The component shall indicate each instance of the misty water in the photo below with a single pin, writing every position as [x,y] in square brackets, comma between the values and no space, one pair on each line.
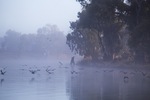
[93,82]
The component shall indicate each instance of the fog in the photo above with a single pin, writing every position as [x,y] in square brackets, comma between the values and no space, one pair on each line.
[72,50]
[47,79]
[27,16]
[48,42]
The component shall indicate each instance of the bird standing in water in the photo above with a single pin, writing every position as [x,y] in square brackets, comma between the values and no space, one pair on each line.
[72,61]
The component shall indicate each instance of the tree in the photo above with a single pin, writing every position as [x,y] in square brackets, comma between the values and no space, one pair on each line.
[12,41]
[102,18]
[138,21]
[84,42]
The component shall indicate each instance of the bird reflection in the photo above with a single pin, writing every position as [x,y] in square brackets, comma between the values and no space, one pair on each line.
[32,79]
[2,80]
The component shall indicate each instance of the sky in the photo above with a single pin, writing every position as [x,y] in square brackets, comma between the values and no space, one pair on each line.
[26,16]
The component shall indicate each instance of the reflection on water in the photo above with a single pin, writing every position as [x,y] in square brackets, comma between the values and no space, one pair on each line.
[73,83]
[110,84]
[2,80]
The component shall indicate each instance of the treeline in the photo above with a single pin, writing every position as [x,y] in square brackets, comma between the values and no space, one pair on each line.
[112,30]
[47,42]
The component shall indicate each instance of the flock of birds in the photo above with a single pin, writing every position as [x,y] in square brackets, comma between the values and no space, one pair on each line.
[34,69]
[50,70]
[128,73]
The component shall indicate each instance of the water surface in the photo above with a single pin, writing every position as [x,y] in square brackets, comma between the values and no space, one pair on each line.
[72,83]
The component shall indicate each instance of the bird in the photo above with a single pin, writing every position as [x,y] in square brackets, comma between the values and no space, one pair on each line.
[3,71]
[126,78]
[132,73]
[74,72]
[144,74]
[123,72]
[50,71]
[105,70]
[33,71]
[60,63]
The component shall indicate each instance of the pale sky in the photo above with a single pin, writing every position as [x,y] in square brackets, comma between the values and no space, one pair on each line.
[26,16]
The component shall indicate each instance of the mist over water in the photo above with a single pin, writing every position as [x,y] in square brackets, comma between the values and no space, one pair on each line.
[37,67]
[55,80]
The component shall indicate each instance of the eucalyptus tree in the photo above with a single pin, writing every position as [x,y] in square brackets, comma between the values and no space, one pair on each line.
[103,20]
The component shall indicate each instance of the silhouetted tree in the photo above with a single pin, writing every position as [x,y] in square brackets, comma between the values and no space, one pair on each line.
[138,21]
[48,42]
[108,17]
[102,16]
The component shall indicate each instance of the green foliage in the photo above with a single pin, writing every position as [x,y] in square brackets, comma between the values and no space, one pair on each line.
[85,42]
[138,20]
[99,17]
[106,18]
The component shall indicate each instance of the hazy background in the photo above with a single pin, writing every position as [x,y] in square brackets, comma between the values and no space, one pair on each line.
[26,16]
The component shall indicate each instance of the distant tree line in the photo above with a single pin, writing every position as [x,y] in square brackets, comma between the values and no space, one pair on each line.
[112,29]
[47,42]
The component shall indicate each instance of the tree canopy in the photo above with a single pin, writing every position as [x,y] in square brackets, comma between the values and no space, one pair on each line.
[97,31]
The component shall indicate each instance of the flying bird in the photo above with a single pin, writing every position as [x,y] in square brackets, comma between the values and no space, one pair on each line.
[50,71]
[123,72]
[74,72]
[143,73]
[3,72]
[33,71]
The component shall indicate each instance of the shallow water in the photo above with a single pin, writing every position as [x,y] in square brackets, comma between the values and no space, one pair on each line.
[72,83]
